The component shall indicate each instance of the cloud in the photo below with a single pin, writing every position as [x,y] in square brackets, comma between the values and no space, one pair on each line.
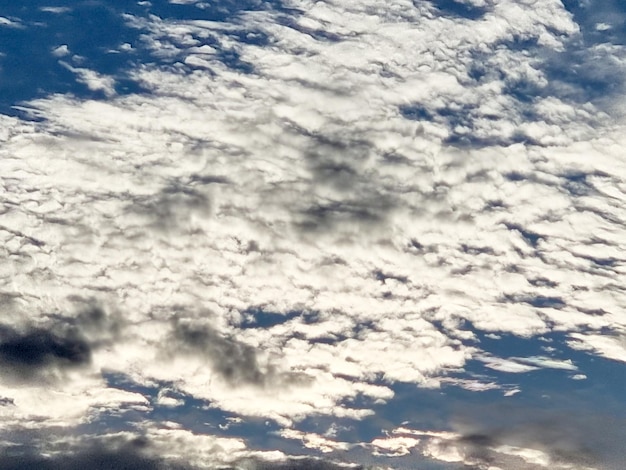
[61,51]
[42,350]
[385,182]
[540,438]
[91,79]
[175,207]
[11,23]
[507,436]
[234,361]
[51,368]
[97,456]
[33,353]
[518,365]
[305,464]
[55,10]
[154,449]
[611,346]
[315,441]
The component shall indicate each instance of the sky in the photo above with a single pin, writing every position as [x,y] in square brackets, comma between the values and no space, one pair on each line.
[327,235]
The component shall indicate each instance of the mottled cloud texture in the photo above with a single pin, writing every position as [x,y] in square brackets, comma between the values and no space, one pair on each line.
[297,209]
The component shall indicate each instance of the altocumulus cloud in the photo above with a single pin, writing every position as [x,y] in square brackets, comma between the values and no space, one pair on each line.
[384,182]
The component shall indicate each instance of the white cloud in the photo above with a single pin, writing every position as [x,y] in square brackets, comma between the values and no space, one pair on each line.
[505,365]
[315,441]
[609,346]
[61,51]
[526,364]
[548,363]
[76,400]
[56,10]
[202,451]
[394,446]
[9,22]
[456,448]
[164,399]
[90,78]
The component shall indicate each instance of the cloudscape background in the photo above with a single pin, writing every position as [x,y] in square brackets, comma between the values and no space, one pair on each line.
[312,234]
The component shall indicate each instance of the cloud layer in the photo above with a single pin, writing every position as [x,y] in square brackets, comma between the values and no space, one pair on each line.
[309,203]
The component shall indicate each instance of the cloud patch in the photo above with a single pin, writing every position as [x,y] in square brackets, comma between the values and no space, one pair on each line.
[550,438]
[234,361]
[103,455]
[37,352]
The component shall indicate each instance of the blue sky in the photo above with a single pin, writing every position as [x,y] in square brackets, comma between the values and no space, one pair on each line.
[268,235]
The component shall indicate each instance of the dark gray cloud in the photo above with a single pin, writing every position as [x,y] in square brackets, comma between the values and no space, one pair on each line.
[6,401]
[568,436]
[97,324]
[29,353]
[101,455]
[366,215]
[343,193]
[133,454]
[234,361]
[302,464]
[34,352]
[537,301]
[173,205]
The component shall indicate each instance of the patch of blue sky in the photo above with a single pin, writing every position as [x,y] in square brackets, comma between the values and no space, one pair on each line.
[459,9]
[42,41]
[596,383]
[259,318]
[600,21]
[91,32]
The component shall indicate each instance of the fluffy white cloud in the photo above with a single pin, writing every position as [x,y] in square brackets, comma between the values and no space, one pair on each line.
[315,441]
[90,78]
[609,346]
[77,400]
